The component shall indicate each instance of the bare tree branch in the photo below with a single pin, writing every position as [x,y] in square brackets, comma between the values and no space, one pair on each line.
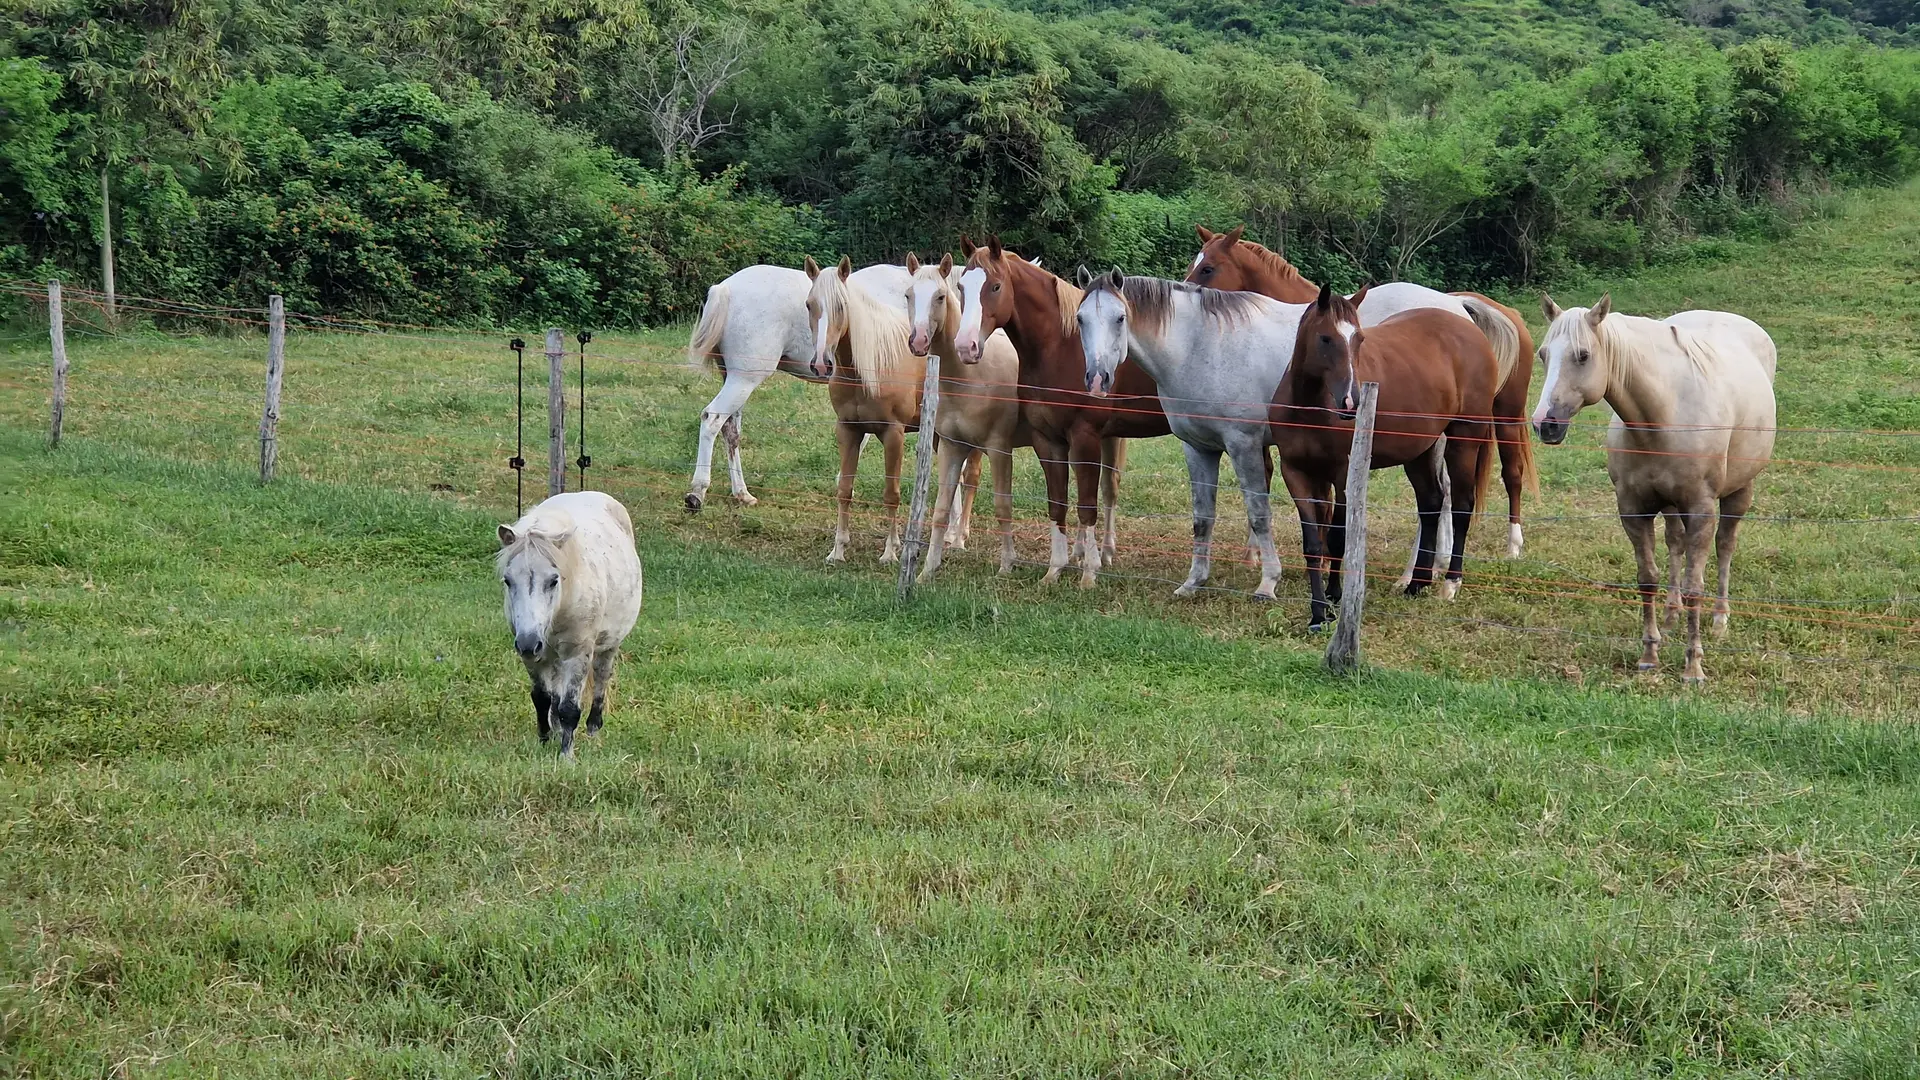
[673,84]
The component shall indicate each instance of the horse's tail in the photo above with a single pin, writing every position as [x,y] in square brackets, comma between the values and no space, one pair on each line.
[1484,469]
[1500,331]
[1523,449]
[703,348]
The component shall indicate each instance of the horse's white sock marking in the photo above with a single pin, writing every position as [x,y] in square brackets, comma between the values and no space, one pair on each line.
[1514,540]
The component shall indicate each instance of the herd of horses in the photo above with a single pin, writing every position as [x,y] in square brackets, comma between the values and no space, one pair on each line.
[1243,358]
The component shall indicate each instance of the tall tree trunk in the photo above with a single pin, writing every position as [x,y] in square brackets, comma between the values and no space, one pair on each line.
[106,249]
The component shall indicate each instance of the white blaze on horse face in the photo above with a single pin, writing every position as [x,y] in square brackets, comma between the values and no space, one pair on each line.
[822,323]
[1198,257]
[1347,330]
[532,585]
[920,297]
[1103,338]
[967,342]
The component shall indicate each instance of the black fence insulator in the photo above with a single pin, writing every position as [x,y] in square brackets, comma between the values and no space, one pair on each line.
[584,459]
[518,462]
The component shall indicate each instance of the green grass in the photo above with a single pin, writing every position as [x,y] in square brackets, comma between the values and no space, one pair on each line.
[273,805]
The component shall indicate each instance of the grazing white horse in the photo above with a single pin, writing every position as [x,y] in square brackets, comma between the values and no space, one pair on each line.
[754,324]
[1692,397]
[1217,358]
[572,581]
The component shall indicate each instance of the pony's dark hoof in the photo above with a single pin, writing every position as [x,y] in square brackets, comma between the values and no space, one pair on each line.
[694,503]
[1320,627]
[1416,588]
[594,726]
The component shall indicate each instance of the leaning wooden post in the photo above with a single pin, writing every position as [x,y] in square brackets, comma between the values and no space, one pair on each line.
[276,367]
[1343,652]
[57,330]
[915,542]
[556,412]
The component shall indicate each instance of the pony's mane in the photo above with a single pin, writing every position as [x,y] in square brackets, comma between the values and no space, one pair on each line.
[1150,301]
[1626,339]
[537,542]
[876,333]
[1069,297]
[1275,261]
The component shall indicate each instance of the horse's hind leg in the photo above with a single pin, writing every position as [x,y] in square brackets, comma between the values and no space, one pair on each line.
[1247,459]
[1430,501]
[1310,498]
[1700,532]
[850,439]
[1513,476]
[1676,565]
[725,406]
[894,441]
[1638,523]
[1003,505]
[1053,466]
[961,527]
[1203,474]
[730,431]
[542,704]
[602,677]
[1465,457]
[1733,509]
[1443,541]
[1113,458]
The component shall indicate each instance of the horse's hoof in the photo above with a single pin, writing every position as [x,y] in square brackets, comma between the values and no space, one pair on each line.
[1449,589]
[1415,588]
[594,727]
[836,557]
[1693,680]
[1050,577]
[1266,595]
[694,503]
[745,499]
[1005,569]
[1320,627]
[1187,590]
[889,559]
[1645,666]
[1088,581]
[1404,581]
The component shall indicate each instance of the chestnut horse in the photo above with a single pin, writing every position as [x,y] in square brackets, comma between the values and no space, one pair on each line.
[1437,378]
[1228,261]
[1070,427]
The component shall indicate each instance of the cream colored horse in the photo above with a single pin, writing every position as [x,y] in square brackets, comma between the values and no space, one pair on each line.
[1692,397]
[860,347]
[979,407]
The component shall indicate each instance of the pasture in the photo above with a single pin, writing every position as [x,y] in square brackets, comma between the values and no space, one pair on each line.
[274,805]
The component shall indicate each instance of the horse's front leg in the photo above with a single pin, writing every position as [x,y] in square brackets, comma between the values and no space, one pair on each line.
[1085,454]
[1443,540]
[1113,458]
[962,526]
[1676,566]
[1249,457]
[1311,500]
[542,703]
[1203,476]
[850,439]
[602,677]
[1003,505]
[894,442]
[952,463]
[1053,466]
[1638,523]
[568,682]
[1700,530]
[1466,453]
[1733,509]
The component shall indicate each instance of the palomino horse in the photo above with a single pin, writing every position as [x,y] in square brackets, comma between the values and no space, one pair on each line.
[1227,261]
[860,348]
[1692,398]
[1437,378]
[979,410]
[1217,358]
[754,324]
[1000,290]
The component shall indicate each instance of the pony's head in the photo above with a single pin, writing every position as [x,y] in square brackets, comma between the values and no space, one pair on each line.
[529,565]
[986,295]
[826,313]
[1102,318]
[931,301]
[1326,343]
[1218,264]
[1579,365]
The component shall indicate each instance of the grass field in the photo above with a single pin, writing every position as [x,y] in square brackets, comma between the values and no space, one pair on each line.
[273,804]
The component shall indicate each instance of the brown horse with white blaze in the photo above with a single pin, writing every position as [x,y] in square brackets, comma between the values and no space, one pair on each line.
[1227,260]
[1071,429]
[1437,378]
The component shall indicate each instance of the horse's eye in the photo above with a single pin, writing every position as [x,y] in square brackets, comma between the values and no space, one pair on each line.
[1580,357]
[553,583]
[1325,339]
[1205,270]
[996,286]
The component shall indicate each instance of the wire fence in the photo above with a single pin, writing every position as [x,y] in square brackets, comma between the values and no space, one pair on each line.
[1878,630]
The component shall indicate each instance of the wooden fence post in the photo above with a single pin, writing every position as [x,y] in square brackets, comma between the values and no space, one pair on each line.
[57,331]
[915,543]
[276,368]
[1343,652]
[556,411]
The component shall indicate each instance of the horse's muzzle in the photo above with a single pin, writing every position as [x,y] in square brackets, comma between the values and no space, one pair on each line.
[819,370]
[1100,383]
[918,344]
[1552,432]
[529,647]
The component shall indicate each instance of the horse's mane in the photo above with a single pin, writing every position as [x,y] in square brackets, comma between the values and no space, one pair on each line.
[1069,297]
[537,542]
[1149,303]
[1276,262]
[876,333]
[1625,340]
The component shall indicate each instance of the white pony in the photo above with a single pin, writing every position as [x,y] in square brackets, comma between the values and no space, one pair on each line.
[1217,358]
[1692,397]
[572,581]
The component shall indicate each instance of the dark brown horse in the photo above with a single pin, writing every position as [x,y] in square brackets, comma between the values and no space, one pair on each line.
[1228,261]
[1071,428]
[1437,377]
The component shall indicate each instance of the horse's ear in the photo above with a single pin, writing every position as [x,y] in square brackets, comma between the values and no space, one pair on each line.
[507,535]
[846,266]
[993,245]
[558,539]
[1600,310]
[913,263]
[1360,297]
[1326,298]
[1116,280]
[946,264]
[966,245]
[1083,277]
[1548,308]
[1234,234]
[1206,234]
[1036,262]
[812,268]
